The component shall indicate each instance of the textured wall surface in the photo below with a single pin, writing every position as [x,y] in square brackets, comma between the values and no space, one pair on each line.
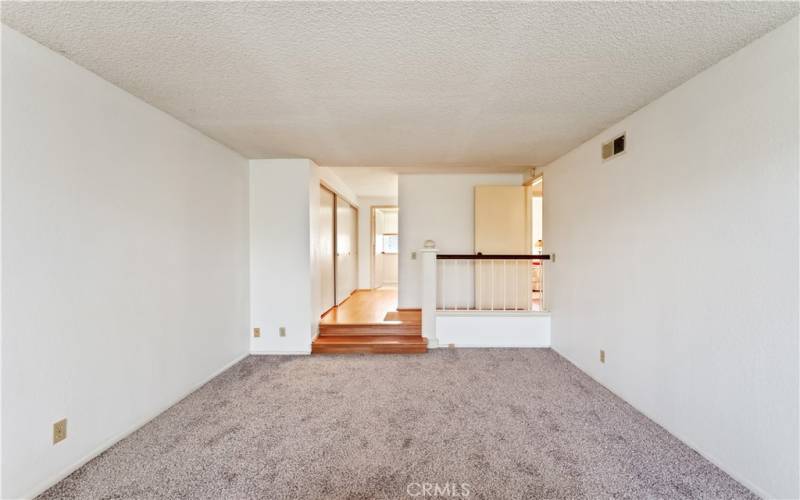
[439,208]
[485,83]
[679,258]
[124,262]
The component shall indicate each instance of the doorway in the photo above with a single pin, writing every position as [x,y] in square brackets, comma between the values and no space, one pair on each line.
[384,248]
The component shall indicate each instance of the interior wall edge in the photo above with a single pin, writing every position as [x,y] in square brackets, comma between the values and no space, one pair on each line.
[688,442]
[44,485]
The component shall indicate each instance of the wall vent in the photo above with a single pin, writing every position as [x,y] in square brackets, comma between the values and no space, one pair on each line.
[613,148]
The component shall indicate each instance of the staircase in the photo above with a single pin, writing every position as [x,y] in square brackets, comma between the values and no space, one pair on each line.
[399,333]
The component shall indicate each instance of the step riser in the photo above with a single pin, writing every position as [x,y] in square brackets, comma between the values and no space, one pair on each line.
[369,349]
[328,330]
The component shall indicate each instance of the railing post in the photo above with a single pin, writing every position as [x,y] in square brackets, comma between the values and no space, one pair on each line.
[429,293]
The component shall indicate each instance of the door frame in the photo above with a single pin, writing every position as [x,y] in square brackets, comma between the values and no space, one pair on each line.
[333,243]
[354,243]
[373,209]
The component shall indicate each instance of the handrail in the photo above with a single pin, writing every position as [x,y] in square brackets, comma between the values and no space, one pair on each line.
[480,256]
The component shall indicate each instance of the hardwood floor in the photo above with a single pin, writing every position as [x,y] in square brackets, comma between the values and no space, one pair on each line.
[369,323]
[363,306]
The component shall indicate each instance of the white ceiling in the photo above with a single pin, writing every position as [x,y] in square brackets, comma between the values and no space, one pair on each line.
[369,181]
[454,85]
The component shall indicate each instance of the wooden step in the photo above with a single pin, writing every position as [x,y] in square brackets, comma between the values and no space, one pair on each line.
[369,344]
[384,328]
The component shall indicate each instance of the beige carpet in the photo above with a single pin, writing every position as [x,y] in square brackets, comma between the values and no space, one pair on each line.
[493,423]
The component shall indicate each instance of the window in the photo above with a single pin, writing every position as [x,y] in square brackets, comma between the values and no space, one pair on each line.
[390,243]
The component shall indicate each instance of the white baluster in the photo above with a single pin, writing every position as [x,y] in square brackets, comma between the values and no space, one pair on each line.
[505,285]
[444,288]
[516,284]
[529,306]
[457,281]
[479,294]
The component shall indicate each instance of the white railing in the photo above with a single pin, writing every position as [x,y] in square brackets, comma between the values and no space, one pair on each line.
[480,286]
[490,282]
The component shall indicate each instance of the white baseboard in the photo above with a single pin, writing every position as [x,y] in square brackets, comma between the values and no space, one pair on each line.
[711,458]
[44,485]
[281,353]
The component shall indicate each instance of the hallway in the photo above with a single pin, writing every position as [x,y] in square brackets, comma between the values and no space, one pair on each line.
[364,306]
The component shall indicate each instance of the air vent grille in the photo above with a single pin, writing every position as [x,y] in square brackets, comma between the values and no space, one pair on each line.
[613,147]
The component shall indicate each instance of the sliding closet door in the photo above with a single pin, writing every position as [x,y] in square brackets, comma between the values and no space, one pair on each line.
[326,250]
[345,250]
[353,257]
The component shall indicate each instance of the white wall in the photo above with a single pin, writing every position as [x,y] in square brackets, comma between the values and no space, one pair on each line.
[439,208]
[124,265]
[365,204]
[284,213]
[507,329]
[284,252]
[680,259]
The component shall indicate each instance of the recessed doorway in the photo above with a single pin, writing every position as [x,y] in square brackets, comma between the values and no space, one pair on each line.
[385,244]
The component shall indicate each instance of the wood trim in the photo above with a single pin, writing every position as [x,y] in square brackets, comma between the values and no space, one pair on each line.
[345,299]
[409,309]
[533,179]
[333,190]
[329,309]
[333,239]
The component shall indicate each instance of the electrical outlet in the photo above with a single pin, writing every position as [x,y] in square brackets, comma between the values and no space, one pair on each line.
[602,356]
[60,431]
[282,331]
[413,255]
[256,332]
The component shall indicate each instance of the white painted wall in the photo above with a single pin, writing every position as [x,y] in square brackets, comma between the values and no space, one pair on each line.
[284,213]
[124,262]
[440,208]
[493,329]
[680,259]
[365,205]
[284,253]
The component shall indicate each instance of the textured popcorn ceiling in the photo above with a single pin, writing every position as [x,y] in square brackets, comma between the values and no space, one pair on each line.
[455,85]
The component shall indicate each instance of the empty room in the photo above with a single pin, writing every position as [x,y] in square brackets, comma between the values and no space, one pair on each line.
[398,250]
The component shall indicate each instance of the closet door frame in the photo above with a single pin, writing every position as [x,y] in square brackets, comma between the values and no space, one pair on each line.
[354,243]
[333,194]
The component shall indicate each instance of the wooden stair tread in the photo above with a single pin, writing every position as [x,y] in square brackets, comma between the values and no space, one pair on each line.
[370,339]
[370,344]
[352,332]
[361,329]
